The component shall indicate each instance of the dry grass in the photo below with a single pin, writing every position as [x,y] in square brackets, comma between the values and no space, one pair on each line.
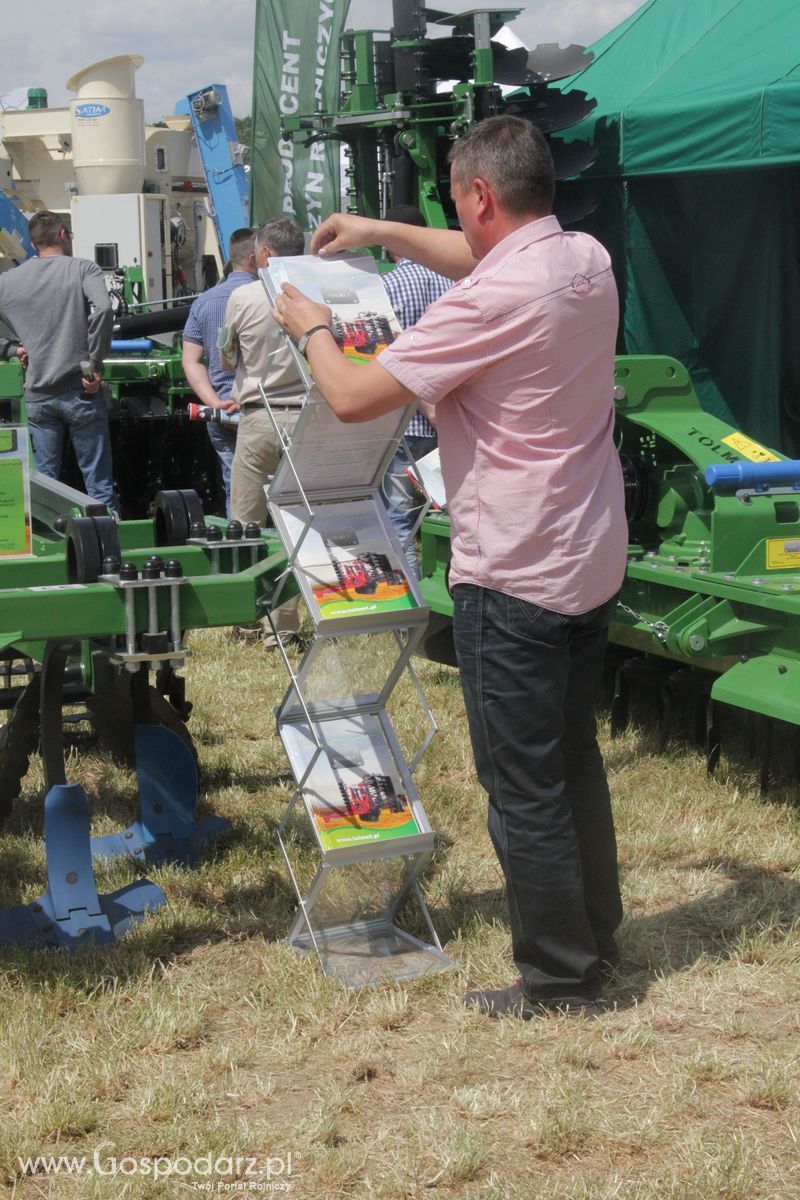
[201,1033]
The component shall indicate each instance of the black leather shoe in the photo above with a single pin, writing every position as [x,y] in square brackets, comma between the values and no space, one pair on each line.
[513,1002]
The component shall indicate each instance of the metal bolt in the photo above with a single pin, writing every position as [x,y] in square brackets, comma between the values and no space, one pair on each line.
[71,877]
[697,642]
[128,833]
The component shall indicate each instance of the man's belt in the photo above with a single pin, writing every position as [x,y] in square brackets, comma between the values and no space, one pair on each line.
[275,401]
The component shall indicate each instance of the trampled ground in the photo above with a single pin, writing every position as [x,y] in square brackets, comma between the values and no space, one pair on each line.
[201,1037]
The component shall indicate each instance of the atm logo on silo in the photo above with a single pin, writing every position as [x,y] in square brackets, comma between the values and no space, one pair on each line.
[86,111]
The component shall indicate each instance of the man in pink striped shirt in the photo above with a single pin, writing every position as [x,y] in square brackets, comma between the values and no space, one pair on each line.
[518,359]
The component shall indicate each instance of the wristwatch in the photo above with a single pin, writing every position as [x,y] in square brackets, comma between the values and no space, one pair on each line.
[303,340]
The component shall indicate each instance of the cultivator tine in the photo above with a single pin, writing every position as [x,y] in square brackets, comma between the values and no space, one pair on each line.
[620,703]
[19,738]
[70,913]
[650,673]
[765,754]
[665,711]
[712,738]
[165,829]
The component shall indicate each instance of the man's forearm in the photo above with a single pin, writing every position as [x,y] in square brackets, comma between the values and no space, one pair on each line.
[100,319]
[198,380]
[354,392]
[442,250]
[99,336]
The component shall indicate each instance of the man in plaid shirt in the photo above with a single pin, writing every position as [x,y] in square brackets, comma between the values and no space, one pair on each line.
[410,288]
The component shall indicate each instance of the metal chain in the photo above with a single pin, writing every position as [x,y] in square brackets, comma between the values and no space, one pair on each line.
[659,628]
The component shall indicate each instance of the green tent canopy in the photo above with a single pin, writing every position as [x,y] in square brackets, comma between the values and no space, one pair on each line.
[697,126]
[697,85]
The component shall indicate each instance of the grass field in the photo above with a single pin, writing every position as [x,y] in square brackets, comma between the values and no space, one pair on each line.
[202,1037]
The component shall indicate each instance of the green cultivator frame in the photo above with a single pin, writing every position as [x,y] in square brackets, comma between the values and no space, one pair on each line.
[97,613]
[711,596]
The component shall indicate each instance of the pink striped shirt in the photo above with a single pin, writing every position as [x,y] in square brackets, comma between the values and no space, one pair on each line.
[519,359]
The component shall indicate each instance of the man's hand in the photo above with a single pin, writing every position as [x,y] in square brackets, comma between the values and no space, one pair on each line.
[344,231]
[92,386]
[295,313]
[22,354]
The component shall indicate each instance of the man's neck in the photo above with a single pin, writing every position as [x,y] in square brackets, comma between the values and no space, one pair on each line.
[501,228]
[49,251]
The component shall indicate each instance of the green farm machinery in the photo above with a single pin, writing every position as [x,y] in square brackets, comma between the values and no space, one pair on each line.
[405,97]
[710,603]
[96,612]
[711,597]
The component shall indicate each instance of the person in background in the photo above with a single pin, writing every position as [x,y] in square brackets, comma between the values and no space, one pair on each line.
[261,358]
[212,383]
[410,288]
[60,312]
[518,358]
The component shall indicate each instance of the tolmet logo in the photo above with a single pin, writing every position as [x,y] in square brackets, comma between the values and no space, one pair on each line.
[91,110]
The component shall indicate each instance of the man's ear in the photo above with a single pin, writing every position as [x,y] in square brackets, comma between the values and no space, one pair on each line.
[483,197]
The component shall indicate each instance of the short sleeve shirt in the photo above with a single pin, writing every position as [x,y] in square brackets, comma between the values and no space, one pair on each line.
[411,288]
[202,326]
[265,359]
[519,359]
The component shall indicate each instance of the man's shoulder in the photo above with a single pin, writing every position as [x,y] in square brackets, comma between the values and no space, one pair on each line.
[212,295]
[84,267]
[247,297]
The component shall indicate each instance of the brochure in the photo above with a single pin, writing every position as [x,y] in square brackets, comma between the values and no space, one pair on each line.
[354,794]
[363,323]
[429,470]
[330,458]
[348,561]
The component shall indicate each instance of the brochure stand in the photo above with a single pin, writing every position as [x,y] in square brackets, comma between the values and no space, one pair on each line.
[371,836]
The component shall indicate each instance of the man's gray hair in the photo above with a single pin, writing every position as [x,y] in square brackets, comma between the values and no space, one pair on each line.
[513,157]
[282,235]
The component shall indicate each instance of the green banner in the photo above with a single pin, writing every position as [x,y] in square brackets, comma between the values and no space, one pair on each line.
[295,72]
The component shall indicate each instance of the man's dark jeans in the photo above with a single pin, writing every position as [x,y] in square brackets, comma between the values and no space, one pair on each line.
[530,679]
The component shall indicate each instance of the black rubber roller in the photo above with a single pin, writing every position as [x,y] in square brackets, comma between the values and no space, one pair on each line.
[107,536]
[194,509]
[171,520]
[84,558]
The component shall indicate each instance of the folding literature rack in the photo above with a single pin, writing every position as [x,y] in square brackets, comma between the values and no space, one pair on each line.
[372,836]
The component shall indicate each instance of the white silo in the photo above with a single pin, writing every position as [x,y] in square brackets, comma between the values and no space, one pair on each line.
[107,127]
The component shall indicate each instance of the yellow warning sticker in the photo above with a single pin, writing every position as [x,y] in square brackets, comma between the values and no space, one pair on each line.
[749,449]
[783,553]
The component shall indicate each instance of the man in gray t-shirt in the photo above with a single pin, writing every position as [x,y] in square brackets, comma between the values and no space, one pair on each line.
[60,312]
